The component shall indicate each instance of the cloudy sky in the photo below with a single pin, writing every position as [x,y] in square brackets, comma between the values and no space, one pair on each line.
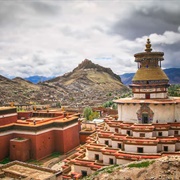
[51,37]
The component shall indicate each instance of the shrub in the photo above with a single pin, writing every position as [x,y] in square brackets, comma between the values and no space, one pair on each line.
[141,164]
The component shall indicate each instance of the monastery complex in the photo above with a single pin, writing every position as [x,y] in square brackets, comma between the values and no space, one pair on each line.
[147,127]
[148,124]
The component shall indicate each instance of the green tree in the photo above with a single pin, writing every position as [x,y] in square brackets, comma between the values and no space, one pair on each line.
[87,112]
[94,115]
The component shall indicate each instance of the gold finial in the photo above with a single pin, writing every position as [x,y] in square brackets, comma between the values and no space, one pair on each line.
[148,46]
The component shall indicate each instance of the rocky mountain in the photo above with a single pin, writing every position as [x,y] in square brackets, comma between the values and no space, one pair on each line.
[88,84]
[172,73]
[164,168]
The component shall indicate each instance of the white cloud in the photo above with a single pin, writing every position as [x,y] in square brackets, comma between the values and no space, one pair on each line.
[51,38]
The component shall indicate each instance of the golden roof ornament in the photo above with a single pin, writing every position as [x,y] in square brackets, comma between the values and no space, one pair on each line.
[148,46]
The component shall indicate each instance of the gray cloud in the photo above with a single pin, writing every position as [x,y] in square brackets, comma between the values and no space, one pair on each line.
[50,38]
[145,20]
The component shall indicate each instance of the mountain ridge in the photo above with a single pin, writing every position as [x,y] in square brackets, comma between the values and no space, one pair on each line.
[88,84]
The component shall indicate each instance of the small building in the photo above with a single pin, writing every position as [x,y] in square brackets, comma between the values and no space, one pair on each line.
[20,170]
[36,135]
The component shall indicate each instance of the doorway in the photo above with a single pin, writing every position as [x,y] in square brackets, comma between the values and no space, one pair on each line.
[145,118]
[148,96]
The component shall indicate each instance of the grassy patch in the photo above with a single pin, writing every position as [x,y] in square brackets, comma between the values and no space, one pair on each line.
[55,154]
[33,161]
[141,164]
[107,169]
[5,161]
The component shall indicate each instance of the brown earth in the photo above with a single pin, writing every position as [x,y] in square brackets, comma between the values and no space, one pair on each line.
[165,168]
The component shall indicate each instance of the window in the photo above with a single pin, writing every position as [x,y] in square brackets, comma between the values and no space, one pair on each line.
[159,133]
[140,150]
[165,148]
[128,133]
[142,134]
[96,157]
[119,145]
[116,130]
[111,161]
[84,173]
[106,142]
[176,132]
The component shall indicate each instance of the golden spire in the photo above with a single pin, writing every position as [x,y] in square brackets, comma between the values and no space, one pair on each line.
[148,46]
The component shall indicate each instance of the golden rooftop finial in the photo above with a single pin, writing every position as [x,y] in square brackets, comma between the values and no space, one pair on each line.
[148,46]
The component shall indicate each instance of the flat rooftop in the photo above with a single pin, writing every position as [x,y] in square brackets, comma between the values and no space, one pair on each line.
[5,108]
[25,171]
[170,100]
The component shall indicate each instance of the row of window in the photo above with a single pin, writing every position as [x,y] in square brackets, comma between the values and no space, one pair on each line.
[176,132]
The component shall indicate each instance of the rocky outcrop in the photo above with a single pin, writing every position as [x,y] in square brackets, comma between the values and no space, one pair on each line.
[165,168]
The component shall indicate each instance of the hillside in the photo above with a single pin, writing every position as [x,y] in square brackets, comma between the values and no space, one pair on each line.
[172,73]
[160,169]
[88,84]
[21,91]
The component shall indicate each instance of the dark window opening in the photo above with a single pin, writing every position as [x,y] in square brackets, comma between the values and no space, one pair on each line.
[106,142]
[96,157]
[147,96]
[119,145]
[84,173]
[165,148]
[176,132]
[116,130]
[111,161]
[140,150]
[129,133]
[142,135]
[159,133]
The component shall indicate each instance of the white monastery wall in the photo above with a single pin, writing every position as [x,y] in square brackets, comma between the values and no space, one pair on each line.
[91,155]
[177,146]
[112,129]
[122,161]
[115,144]
[147,134]
[107,157]
[146,149]
[124,131]
[102,141]
[177,112]
[164,133]
[171,147]
[158,95]
[127,113]
[139,96]
[163,113]
[78,169]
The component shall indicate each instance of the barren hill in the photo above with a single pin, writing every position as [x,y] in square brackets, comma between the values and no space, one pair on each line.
[92,76]
[88,84]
